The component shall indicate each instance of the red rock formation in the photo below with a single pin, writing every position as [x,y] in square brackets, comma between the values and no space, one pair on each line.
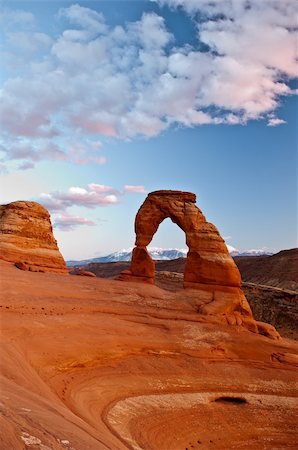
[209,267]
[85,273]
[93,364]
[26,238]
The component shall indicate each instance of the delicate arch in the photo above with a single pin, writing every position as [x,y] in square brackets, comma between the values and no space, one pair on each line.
[208,259]
[209,267]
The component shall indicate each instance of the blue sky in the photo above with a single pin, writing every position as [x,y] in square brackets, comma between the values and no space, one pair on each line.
[102,102]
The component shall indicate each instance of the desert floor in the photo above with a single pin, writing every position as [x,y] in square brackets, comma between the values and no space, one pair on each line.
[91,364]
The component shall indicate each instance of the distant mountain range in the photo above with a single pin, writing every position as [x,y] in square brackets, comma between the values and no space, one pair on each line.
[158,254]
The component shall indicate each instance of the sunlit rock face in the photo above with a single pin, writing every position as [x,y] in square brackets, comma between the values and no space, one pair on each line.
[91,364]
[209,267]
[26,238]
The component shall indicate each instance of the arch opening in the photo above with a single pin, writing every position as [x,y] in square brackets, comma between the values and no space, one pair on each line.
[168,250]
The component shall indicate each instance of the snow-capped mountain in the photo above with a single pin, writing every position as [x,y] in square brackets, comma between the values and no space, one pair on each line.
[252,252]
[167,254]
[125,255]
[159,253]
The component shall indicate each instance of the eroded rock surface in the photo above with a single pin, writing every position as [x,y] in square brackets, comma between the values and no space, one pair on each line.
[209,267]
[92,364]
[26,238]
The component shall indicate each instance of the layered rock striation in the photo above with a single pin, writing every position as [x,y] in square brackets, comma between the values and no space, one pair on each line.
[93,364]
[209,267]
[26,238]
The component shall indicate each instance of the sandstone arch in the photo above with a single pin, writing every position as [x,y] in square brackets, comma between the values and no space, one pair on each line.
[209,267]
[208,259]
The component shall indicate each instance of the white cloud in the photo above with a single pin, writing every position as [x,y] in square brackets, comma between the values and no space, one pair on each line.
[28,43]
[67,222]
[26,165]
[77,191]
[89,197]
[95,81]
[90,21]
[10,18]
[134,188]
[34,150]
[151,32]
[99,188]
[275,121]
[37,151]
[253,50]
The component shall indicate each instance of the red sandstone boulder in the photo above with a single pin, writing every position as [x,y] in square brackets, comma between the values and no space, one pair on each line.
[85,273]
[26,235]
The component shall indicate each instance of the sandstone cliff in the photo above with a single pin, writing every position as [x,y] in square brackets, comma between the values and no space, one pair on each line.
[26,237]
